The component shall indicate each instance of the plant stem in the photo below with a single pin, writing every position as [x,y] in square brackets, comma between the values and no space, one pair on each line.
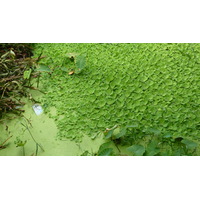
[32,136]
[117,147]
[23,151]
[6,140]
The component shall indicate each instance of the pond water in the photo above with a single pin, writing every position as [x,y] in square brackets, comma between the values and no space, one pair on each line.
[44,131]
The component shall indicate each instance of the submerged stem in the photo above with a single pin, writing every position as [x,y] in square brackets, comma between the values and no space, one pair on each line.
[37,144]
[23,151]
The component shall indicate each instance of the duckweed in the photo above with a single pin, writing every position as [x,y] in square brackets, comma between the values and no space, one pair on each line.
[155,84]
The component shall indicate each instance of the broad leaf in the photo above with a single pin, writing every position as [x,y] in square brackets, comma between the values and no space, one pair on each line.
[43,68]
[104,149]
[121,133]
[106,152]
[155,131]
[137,150]
[152,149]
[80,62]
[109,134]
[189,144]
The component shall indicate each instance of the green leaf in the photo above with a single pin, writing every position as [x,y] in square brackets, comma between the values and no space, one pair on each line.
[154,130]
[152,149]
[109,134]
[116,131]
[121,133]
[64,69]
[137,150]
[110,101]
[189,144]
[27,74]
[105,145]
[167,135]
[43,68]
[132,126]
[106,152]
[102,103]
[80,62]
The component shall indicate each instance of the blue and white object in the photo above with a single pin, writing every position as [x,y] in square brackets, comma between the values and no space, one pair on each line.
[37,109]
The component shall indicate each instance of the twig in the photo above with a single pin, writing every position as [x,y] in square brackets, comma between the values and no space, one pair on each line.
[6,140]
[2,146]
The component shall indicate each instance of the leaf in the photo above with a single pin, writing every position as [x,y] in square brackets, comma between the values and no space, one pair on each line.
[102,103]
[189,144]
[137,150]
[167,135]
[71,73]
[132,126]
[80,62]
[12,53]
[109,134]
[64,69]
[104,146]
[115,132]
[110,101]
[121,133]
[152,149]
[43,68]
[27,74]
[106,152]
[154,130]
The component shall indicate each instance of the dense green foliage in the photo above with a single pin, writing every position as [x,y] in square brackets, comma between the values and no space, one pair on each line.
[156,85]
[148,142]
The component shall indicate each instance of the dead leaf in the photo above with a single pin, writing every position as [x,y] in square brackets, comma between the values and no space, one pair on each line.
[72,72]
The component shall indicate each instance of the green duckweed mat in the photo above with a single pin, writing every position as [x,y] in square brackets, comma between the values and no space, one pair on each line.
[156,85]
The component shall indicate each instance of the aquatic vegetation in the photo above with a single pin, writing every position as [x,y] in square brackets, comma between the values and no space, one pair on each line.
[148,142]
[26,125]
[19,143]
[154,84]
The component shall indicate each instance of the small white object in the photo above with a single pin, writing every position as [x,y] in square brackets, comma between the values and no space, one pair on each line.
[38,109]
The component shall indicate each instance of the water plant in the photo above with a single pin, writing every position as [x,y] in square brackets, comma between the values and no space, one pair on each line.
[155,84]
[19,143]
[26,124]
[147,142]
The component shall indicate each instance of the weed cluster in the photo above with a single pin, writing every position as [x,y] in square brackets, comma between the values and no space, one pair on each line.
[17,69]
